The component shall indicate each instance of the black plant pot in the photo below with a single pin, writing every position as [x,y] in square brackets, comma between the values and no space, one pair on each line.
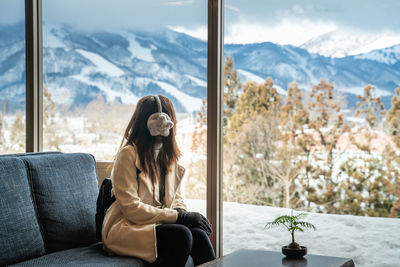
[294,253]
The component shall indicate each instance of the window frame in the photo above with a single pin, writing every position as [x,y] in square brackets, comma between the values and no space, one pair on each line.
[34,102]
[215,79]
[34,75]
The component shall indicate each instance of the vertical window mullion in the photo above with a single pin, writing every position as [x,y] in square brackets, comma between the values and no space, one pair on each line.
[34,97]
[214,120]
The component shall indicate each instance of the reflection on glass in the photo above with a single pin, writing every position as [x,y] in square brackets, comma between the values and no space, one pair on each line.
[312,124]
[12,77]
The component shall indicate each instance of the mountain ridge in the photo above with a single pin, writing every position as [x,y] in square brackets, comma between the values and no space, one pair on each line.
[126,65]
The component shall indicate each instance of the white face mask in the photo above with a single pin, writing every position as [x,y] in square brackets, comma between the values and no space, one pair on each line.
[159,123]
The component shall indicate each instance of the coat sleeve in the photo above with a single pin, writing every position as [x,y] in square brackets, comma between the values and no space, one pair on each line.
[126,193]
[178,201]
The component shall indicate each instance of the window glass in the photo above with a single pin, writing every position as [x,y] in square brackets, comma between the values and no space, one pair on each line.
[311,125]
[101,58]
[12,76]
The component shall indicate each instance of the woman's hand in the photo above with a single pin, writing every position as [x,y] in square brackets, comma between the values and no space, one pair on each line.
[193,219]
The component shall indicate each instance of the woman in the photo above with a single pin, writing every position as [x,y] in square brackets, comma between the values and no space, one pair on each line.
[149,220]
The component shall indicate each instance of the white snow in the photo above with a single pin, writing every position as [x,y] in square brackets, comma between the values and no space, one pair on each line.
[369,241]
[101,63]
[280,90]
[197,80]
[60,95]
[380,43]
[189,102]
[389,55]
[126,96]
[360,91]
[255,78]
[137,50]
[49,39]
[250,76]
[285,69]
[342,43]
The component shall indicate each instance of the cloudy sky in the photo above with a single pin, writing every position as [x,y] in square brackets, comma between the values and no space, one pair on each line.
[246,21]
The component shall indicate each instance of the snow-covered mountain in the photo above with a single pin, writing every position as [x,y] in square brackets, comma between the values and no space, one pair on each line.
[287,63]
[126,65]
[389,56]
[342,43]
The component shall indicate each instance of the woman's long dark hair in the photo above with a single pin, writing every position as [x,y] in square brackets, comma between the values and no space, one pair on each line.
[138,134]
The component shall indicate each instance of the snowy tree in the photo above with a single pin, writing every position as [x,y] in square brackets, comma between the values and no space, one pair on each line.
[370,107]
[252,174]
[17,136]
[256,99]
[325,126]
[293,115]
[51,129]
[197,172]
[392,153]
[198,166]
[393,117]
[232,87]
[364,186]
[199,136]
[2,137]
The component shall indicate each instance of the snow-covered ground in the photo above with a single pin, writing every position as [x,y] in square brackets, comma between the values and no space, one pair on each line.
[368,241]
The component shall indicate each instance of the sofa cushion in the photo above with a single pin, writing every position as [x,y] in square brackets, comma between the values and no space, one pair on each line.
[20,236]
[86,256]
[65,192]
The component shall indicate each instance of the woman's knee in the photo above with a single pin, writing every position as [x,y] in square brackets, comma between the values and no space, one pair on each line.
[199,233]
[202,250]
[183,236]
[177,235]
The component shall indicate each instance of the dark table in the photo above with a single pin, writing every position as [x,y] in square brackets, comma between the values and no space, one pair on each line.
[263,258]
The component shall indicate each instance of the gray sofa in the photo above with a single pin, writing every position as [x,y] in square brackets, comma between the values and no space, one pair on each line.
[47,212]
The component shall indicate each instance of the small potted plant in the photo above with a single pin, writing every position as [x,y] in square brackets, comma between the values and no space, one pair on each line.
[292,224]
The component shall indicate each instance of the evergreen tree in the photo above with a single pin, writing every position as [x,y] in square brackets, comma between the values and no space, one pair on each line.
[18,133]
[199,137]
[2,137]
[293,115]
[232,87]
[195,185]
[3,126]
[393,117]
[392,156]
[326,125]
[249,149]
[51,130]
[364,187]
[256,99]
[370,107]
[252,166]
[392,165]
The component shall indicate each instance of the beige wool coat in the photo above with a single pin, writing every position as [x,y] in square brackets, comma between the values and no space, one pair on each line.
[129,224]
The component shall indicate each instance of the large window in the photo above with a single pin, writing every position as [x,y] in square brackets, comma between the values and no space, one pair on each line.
[95,68]
[311,124]
[12,76]
[310,107]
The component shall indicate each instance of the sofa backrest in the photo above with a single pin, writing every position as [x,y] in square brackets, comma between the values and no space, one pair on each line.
[64,189]
[20,236]
[29,154]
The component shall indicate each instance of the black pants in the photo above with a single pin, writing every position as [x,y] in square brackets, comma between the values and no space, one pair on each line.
[175,242]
